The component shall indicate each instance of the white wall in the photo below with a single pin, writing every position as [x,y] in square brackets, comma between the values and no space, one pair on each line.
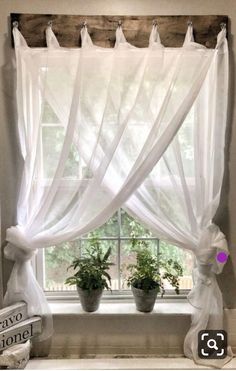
[10,161]
[111,331]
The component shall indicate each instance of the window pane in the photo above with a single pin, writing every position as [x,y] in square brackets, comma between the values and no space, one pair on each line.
[49,116]
[186,140]
[57,259]
[109,229]
[52,138]
[184,258]
[128,256]
[72,164]
[129,225]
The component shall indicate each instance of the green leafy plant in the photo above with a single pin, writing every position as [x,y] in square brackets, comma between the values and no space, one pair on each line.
[92,268]
[150,271]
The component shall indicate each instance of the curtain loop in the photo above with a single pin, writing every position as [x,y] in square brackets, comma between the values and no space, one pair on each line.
[189,34]
[86,40]
[51,39]
[221,37]
[120,37]
[154,36]
[19,40]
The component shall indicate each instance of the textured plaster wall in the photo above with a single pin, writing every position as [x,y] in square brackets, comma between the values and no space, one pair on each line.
[10,160]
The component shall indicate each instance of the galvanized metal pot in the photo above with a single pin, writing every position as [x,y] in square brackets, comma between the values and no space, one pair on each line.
[90,300]
[144,301]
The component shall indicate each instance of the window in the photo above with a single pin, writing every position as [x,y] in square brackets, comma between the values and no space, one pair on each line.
[115,233]
[52,263]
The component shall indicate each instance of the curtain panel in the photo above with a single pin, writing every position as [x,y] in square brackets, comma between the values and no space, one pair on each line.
[148,127]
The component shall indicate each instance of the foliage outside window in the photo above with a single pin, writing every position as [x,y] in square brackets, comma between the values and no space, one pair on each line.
[116,233]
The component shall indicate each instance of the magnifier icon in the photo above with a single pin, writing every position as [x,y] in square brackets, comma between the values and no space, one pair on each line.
[212,344]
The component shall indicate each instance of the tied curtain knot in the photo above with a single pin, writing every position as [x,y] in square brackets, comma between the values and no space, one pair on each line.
[20,248]
[211,242]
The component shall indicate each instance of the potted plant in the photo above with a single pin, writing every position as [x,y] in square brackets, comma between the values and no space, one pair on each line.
[91,276]
[147,275]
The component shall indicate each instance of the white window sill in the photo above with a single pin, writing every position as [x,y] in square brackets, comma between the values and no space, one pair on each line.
[121,308]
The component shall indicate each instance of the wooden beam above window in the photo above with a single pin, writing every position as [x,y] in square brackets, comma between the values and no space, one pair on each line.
[137,29]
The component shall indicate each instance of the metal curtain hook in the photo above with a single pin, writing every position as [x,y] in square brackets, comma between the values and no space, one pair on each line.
[15,24]
[189,23]
[84,24]
[223,25]
[50,24]
[154,23]
[119,23]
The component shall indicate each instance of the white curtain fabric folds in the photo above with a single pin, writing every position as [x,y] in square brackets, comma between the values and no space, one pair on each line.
[145,128]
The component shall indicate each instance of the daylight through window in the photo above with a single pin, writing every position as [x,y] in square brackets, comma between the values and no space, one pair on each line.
[52,263]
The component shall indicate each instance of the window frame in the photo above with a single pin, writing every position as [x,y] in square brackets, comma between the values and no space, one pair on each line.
[115,295]
[119,294]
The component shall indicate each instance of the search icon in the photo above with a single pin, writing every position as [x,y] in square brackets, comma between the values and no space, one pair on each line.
[212,344]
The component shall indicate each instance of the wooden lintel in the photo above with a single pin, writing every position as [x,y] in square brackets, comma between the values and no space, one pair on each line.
[137,29]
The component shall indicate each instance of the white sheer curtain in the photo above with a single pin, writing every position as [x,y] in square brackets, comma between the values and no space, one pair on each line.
[118,111]
[179,198]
